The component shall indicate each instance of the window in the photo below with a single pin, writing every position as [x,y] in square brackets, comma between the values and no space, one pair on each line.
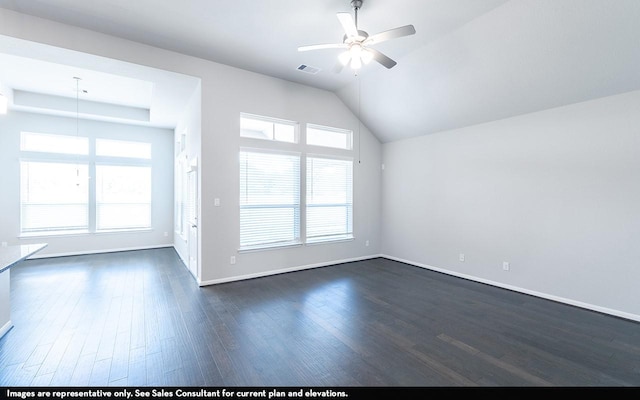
[57,195]
[53,196]
[329,199]
[294,198]
[123,185]
[59,144]
[180,188]
[123,197]
[269,199]
[329,137]
[121,148]
[252,126]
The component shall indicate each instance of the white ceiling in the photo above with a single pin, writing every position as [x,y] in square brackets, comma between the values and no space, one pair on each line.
[41,79]
[470,61]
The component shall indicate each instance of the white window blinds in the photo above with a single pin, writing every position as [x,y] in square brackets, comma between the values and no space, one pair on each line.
[329,199]
[54,196]
[269,199]
[123,197]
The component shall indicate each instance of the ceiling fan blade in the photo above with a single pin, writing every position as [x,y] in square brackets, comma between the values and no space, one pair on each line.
[323,46]
[391,34]
[381,58]
[346,20]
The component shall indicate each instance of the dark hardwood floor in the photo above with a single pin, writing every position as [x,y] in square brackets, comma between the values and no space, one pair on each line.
[139,319]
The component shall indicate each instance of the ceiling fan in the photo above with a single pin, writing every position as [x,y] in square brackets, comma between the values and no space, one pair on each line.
[357,43]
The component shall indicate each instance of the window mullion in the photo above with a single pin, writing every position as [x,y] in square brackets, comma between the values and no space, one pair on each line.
[303,198]
[92,197]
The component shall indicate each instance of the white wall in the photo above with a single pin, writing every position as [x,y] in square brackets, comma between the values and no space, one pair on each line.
[555,193]
[190,126]
[256,94]
[226,92]
[162,183]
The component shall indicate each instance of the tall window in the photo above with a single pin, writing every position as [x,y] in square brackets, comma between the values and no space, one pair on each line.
[54,196]
[180,188]
[296,197]
[57,194]
[123,197]
[123,185]
[54,190]
[329,199]
[269,199]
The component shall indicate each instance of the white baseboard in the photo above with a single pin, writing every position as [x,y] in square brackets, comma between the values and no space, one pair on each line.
[6,328]
[285,270]
[87,252]
[592,307]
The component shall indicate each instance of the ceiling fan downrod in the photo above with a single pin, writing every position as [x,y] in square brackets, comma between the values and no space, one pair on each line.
[356,4]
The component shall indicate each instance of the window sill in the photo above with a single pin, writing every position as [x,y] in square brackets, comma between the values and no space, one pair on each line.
[341,239]
[29,235]
[48,234]
[113,231]
[269,247]
[345,238]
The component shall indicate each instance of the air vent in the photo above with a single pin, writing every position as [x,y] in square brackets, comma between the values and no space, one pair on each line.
[308,69]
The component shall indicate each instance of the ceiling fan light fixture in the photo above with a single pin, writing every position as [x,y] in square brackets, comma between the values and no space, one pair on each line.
[358,42]
[344,57]
[356,63]
[366,56]
[356,56]
[355,50]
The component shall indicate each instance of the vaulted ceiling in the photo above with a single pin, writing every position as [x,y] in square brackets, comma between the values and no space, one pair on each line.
[470,61]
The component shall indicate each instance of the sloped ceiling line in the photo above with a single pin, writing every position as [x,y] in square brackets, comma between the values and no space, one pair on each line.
[470,61]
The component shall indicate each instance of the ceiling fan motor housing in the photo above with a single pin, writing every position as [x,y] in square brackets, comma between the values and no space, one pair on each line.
[362,36]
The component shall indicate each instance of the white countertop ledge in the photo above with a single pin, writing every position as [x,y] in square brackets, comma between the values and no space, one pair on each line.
[11,255]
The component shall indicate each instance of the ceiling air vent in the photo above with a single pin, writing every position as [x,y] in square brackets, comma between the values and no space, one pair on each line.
[308,69]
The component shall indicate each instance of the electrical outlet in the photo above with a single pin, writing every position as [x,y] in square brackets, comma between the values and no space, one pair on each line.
[505,266]
[216,202]
[461,257]
[166,234]
[366,243]
[233,260]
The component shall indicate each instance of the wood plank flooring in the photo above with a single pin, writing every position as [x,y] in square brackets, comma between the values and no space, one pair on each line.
[139,319]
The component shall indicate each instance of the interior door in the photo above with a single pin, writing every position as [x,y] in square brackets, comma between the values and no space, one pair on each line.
[192,201]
